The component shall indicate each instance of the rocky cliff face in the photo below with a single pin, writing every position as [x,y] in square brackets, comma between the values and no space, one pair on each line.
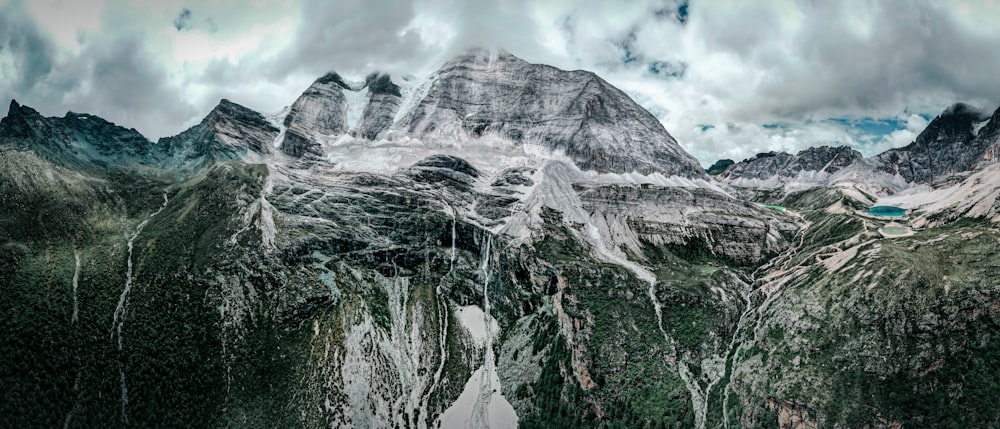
[599,127]
[229,132]
[988,136]
[776,169]
[384,99]
[948,146]
[320,110]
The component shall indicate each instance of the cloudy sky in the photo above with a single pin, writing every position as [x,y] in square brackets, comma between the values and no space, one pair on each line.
[728,78]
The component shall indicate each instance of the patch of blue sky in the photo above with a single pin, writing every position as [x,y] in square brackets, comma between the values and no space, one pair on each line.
[870,130]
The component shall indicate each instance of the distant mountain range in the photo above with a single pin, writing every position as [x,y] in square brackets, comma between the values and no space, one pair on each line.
[959,141]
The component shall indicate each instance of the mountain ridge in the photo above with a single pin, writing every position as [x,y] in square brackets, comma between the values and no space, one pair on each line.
[955,143]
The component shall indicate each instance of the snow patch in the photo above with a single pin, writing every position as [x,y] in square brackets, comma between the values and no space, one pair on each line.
[461,414]
[356,102]
[475,322]
[979,126]
[413,91]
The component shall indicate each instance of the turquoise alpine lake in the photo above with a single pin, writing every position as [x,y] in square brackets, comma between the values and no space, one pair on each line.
[889,211]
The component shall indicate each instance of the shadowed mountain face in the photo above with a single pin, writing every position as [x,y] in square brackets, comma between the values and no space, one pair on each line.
[503,244]
[719,167]
[949,145]
[229,132]
[80,139]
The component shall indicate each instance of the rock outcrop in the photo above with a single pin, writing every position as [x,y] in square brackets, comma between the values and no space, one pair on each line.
[229,132]
[384,99]
[320,110]
[948,146]
[719,167]
[767,165]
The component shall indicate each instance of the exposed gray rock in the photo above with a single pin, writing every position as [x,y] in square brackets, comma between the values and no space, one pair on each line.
[321,109]
[515,176]
[948,146]
[229,132]
[989,135]
[438,168]
[450,162]
[383,103]
[770,164]
[596,124]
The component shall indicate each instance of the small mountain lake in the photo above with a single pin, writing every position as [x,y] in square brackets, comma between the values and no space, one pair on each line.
[890,211]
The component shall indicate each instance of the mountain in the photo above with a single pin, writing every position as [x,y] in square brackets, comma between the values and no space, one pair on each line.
[951,144]
[79,139]
[959,141]
[229,132]
[946,173]
[823,160]
[719,166]
[502,244]
[321,109]
[576,112]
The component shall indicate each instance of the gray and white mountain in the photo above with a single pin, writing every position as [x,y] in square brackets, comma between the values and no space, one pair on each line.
[229,132]
[320,110]
[952,144]
[598,126]
[764,166]
[495,96]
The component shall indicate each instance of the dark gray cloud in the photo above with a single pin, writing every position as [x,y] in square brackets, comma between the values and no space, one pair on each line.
[964,109]
[183,20]
[31,54]
[905,51]
[113,76]
[353,37]
[128,84]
